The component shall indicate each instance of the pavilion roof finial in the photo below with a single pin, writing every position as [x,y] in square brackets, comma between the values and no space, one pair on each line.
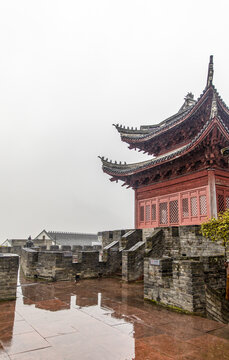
[210,72]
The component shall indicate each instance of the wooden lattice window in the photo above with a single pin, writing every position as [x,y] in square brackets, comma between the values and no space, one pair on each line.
[220,199]
[203,205]
[153,212]
[147,212]
[185,208]
[227,202]
[141,213]
[194,210]
[173,212]
[163,213]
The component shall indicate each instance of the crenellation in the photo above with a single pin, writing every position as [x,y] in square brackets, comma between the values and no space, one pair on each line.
[9,264]
[176,264]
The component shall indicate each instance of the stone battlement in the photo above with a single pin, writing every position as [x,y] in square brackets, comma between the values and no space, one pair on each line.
[9,264]
[177,263]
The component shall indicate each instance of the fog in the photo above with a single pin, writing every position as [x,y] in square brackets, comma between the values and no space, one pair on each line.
[68,71]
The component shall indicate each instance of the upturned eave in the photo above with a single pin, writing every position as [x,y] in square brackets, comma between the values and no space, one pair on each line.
[121,170]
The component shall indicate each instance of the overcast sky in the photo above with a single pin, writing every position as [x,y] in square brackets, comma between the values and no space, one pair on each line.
[69,69]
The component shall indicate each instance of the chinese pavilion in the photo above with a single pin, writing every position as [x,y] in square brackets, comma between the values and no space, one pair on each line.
[187,180]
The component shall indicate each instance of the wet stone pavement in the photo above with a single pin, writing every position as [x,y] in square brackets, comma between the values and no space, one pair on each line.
[102,319]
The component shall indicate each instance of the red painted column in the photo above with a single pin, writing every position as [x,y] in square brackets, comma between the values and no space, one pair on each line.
[212,194]
[135,209]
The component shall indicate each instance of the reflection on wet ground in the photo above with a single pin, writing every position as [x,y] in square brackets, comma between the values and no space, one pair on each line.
[102,319]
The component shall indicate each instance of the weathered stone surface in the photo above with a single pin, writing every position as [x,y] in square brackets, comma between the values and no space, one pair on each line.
[133,262]
[181,282]
[177,263]
[9,264]
[217,307]
[66,265]
[110,236]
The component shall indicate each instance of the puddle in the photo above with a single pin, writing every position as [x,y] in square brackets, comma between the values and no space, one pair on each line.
[101,319]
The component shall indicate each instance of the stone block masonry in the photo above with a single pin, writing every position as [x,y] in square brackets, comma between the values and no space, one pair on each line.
[9,264]
[217,308]
[181,282]
[29,260]
[177,264]
[10,250]
[110,236]
[133,262]
[66,265]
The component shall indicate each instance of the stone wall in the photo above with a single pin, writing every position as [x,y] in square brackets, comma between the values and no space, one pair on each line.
[214,271]
[89,265]
[177,263]
[130,238]
[180,241]
[66,265]
[54,266]
[188,285]
[133,262]
[147,233]
[29,262]
[217,308]
[110,236]
[181,282]
[112,258]
[192,243]
[18,249]
[10,250]
[9,264]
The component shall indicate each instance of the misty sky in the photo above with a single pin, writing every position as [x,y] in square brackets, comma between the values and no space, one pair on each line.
[68,71]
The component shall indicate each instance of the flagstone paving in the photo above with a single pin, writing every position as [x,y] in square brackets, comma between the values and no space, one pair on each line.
[102,319]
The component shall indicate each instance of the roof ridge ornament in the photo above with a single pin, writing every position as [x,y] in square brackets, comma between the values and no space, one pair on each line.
[210,72]
[214,108]
[188,101]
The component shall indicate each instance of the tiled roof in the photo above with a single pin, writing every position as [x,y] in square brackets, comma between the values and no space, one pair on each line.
[189,107]
[71,238]
[148,132]
[151,129]
[138,138]
[59,235]
[129,169]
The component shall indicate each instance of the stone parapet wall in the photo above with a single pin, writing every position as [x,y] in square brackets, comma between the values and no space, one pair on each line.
[181,282]
[66,265]
[114,235]
[51,266]
[29,261]
[214,271]
[18,249]
[192,243]
[179,263]
[133,262]
[9,264]
[217,308]
[10,250]
[176,263]
[130,238]
[89,265]
[158,280]
[188,285]
[180,241]
[147,233]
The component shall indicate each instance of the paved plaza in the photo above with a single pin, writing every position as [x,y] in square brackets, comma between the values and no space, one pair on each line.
[102,319]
